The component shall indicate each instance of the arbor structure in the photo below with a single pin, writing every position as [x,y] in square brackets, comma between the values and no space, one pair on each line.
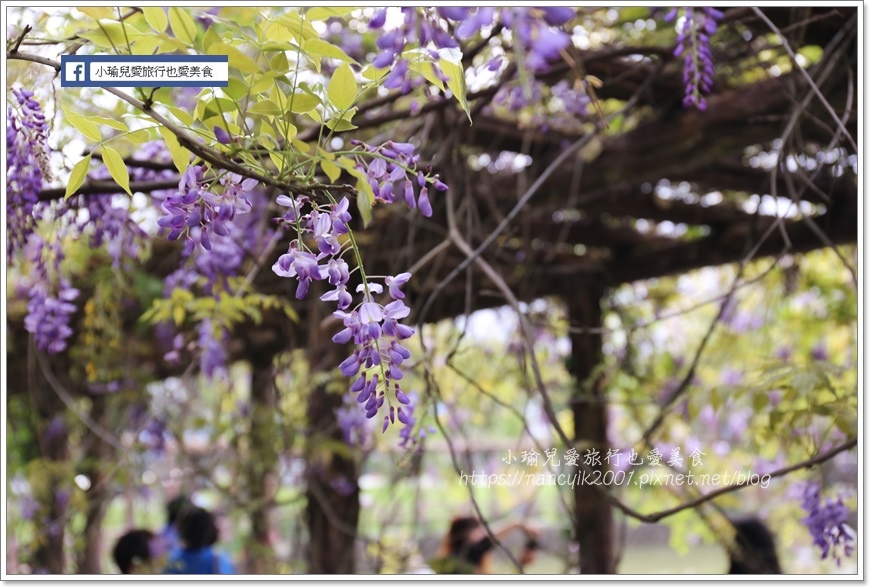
[497,156]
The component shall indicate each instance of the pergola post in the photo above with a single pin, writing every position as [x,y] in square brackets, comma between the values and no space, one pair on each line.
[262,469]
[593,514]
[332,490]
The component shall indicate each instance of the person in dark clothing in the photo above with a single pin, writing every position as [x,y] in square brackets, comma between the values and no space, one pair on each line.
[132,552]
[174,509]
[196,555]
[467,544]
[754,550]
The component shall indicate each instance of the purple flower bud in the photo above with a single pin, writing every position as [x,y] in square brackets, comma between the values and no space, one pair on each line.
[378,19]
[350,366]
[557,16]
[409,194]
[222,136]
[423,202]
[401,397]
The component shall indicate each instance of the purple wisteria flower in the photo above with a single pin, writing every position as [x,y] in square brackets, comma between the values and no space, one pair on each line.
[26,166]
[195,205]
[693,44]
[540,41]
[48,316]
[391,169]
[574,101]
[827,523]
[819,352]
[374,329]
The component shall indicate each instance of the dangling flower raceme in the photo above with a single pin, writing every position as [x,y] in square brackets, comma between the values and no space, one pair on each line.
[693,44]
[392,170]
[196,205]
[26,166]
[535,30]
[48,316]
[375,329]
[828,524]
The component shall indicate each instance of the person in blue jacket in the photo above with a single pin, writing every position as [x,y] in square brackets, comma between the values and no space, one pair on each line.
[197,555]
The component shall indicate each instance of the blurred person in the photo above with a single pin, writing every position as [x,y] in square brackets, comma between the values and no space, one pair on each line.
[466,547]
[135,554]
[169,534]
[196,555]
[754,549]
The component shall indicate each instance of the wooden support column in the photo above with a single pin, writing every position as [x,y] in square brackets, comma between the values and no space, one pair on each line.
[263,437]
[594,516]
[97,453]
[53,488]
[332,508]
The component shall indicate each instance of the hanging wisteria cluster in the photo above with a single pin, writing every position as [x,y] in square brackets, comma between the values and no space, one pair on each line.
[26,166]
[828,524]
[317,254]
[693,44]
[540,41]
[197,209]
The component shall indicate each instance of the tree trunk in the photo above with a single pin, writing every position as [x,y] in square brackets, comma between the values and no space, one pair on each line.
[594,517]
[332,510]
[263,460]
[97,453]
[53,490]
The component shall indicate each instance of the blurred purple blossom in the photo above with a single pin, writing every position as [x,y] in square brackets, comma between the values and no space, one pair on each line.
[28,507]
[783,353]
[731,377]
[828,524]
[820,352]
[26,166]
[693,44]
[48,316]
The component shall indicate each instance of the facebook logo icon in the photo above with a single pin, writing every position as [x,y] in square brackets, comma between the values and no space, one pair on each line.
[75,71]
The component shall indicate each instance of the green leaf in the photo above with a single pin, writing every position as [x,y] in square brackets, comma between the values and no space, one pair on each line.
[236,89]
[180,155]
[178,315]
[77,176]
[301,102]
[83,125]
[298,28]
[237,60]
[112,35]
[181,115]
[116,166]
[372,73]
[321,13]
[99,120]
[146,45]
[265,106]
[210,38]
[426,69]
[456,82]
[327,49]
[342,88]
[365,198]
[182,25]
[97,12]
[342,123]
[156,18]
[759,402]
[332,171]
